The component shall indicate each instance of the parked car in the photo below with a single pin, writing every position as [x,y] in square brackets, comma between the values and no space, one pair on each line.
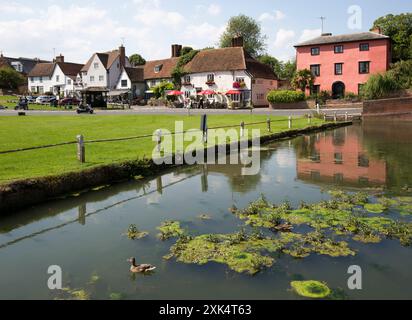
[3,107]
[69,102]
[45,99]
[31,99]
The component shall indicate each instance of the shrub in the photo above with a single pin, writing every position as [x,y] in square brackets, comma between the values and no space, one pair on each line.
[380,86]
[160,90]
[303,79]
[324,95]
[285,96]
[350,96]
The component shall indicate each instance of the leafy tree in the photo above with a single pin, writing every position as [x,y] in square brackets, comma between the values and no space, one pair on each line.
[288,70]
[186,50]
[284,70]
[272,62]
[160,90]
[137,60]
[303,79]
[10,78]
[399,28]
[178,72]
[249,29]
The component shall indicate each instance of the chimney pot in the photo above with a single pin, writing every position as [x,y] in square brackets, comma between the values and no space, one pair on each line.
[60,58]
[176,50]
[122,54]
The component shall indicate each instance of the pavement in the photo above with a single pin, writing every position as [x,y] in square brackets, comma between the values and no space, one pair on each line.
[169,111]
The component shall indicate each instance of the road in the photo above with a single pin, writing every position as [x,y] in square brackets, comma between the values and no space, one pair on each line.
[168,111]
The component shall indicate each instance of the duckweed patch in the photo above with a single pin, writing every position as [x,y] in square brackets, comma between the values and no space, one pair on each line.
[311,289]
[133,233]
[170,229]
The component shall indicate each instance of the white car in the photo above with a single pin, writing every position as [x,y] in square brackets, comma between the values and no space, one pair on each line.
[45,99]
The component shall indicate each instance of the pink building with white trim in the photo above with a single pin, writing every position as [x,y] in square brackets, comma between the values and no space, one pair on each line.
[342,64]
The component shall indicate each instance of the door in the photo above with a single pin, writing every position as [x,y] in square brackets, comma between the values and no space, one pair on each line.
[338,90]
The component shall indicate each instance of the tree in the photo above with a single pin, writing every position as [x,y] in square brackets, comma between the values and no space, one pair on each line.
[10,78]
[186,50]
[284,70]
[272,62]
[249,29]
[160,90]
[399,28]
[288,70]
[303,79]
[137,60]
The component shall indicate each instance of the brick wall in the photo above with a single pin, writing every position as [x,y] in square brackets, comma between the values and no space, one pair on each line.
[387,107]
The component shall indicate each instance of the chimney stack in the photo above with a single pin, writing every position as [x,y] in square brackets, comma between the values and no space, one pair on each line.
[377,30]
[237,42]
[122,53]
[59,58]
[176,50]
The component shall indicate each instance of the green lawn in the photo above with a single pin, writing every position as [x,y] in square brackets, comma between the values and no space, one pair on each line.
[21,132]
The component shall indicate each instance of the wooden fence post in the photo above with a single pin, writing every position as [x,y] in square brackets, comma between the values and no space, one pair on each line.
[324,117]
[309,118]
[290,122]
[346,116]
[335,117]
[242,129]
[81,150]
[268,125]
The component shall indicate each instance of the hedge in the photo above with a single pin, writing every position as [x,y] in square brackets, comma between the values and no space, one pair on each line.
[285,96]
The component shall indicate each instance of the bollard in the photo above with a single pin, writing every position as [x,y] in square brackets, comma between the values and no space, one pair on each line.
[346,116]
[309,118]
[159,139]
[268,124]
[81,150]
[242,129]
[318,108]
[290,122]
[335,117]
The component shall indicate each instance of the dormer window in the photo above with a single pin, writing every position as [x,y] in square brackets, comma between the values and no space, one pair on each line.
[158,68]
[96,65]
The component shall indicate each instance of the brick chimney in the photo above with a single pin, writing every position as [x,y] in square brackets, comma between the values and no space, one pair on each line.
[176,50]
[377,30]
[237,41]
[60,58]
[122,53]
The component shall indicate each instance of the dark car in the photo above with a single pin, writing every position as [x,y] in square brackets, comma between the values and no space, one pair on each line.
[69,102]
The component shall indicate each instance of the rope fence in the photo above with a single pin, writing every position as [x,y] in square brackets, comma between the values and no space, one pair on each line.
[81,142]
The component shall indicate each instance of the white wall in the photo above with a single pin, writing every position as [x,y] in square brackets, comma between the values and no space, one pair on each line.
[98,72]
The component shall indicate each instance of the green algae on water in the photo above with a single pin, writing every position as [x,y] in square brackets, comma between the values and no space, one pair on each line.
[170,229]
[133,233]
[311,289]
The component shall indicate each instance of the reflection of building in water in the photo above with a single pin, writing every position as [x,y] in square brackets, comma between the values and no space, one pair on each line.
[339,158]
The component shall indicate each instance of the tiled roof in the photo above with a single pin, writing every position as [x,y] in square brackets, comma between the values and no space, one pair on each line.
[107,59]
[135,74]
[166,68]
[329,39]
[47,69]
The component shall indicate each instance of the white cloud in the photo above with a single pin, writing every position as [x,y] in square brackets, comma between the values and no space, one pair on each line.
[214,9]
[284,38]
[204,32]
[308,34]
[158,17]
[277,15]
[15,8]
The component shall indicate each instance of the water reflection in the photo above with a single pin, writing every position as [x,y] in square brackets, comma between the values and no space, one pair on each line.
[340,158]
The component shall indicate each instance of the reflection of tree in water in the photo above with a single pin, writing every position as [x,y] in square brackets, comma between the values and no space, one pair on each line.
[392,141]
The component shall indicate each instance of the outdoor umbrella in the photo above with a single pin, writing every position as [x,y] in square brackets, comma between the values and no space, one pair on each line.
[208,92]
[233,92]
[175,93]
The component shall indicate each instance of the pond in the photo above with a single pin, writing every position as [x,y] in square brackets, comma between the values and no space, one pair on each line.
[86,234]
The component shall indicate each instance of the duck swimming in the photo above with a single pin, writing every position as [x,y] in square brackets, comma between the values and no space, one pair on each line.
[140,268]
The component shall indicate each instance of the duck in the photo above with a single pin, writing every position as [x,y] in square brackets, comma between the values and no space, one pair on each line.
[140,268]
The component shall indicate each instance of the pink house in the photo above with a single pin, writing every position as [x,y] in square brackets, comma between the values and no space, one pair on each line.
[343,63]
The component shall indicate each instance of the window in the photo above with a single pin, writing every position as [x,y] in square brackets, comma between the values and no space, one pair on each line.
[152,83]
[364,47]
[33,89]
[210,77]
[124,83]
[158,68]
[315,89]
[338,158]
[91,78]
[101,78]
[69,81]
[315,157]
[338,68]
[41,79]
[339,49]
[187,94]
[364,67]
[96,65]
[240,80]
[31,79]
[315,51]
[57,78]
[315,69]
[235,97]
[41,90]
[187,79]
[363,161]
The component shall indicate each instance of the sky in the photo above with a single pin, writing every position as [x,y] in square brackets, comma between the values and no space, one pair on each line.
[79,28]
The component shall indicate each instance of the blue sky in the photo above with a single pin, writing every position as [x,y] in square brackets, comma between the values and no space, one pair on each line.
[78,28]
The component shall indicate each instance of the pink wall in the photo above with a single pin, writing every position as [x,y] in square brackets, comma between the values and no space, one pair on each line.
[378,55]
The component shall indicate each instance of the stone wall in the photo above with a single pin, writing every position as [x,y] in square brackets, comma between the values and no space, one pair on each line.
[385,107]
